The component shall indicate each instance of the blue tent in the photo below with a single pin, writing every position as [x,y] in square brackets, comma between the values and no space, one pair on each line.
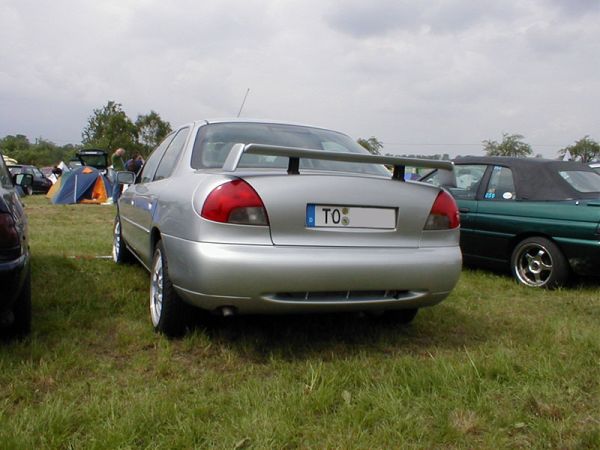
[83,185]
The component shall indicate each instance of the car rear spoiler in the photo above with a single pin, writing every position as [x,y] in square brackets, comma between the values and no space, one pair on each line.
[295,154]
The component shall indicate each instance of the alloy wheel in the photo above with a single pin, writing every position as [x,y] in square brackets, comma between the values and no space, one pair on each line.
[116,250]
[534,265]
[156,289]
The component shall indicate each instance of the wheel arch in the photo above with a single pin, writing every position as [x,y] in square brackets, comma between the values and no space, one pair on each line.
[155,236]
[514,241]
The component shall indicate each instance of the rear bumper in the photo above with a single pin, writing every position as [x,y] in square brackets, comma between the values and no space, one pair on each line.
[282,279]
[12,277]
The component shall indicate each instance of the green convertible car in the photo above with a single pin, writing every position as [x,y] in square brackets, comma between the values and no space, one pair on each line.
[539,217]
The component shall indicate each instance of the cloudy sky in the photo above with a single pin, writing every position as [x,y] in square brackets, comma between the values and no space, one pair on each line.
[426,77]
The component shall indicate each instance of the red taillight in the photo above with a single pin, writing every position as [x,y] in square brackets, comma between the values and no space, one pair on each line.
[444,213]
[9,237]
[235,202]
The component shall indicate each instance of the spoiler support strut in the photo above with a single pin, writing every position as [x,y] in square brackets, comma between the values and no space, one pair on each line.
[294,166]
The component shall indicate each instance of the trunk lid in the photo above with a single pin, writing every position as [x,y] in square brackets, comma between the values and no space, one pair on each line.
[289,198]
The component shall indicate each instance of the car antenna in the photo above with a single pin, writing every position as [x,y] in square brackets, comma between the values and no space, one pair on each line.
[243,102]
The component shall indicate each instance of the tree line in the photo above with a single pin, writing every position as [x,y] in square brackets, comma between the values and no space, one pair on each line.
[109,128]
[585,149]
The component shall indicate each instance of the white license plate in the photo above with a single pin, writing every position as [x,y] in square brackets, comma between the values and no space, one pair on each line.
[336,216]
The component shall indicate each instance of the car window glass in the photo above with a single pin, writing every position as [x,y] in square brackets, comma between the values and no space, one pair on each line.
[37,173]
[468,178]
[214,142]
[439,178]
[165,167]
[582,181]
[5,178]
[501,185]
[152,162]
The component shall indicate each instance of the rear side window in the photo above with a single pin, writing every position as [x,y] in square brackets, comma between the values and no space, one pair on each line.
[582,181]
[165,167]
[501,185]
[37,173]
[468,179]
[153,160]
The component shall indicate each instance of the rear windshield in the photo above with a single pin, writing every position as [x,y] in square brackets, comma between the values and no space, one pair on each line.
[582,181]
[214,141]
[97,160]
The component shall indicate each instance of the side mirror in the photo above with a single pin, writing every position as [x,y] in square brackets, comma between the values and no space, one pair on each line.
[24,180]
[125,177]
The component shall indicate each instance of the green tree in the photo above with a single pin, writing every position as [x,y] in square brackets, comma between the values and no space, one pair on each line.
[511,145]
[373,145]
[41,153]
[584,150]
[12,145]
[109,128]
[151,130]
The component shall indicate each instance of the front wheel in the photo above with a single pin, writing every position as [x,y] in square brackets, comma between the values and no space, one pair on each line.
[169,314]
[120,252]
[538,262]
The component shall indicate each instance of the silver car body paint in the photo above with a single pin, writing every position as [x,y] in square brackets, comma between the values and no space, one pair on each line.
[286,266]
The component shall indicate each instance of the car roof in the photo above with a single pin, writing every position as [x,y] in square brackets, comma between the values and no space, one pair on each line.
[537,178]
[258,121]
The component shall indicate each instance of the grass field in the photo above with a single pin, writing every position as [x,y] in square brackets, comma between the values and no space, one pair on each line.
[494,366]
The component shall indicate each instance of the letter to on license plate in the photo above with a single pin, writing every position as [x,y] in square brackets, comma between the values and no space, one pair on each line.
[350,216]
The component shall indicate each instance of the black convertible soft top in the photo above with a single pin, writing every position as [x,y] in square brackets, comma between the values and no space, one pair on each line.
[538,179]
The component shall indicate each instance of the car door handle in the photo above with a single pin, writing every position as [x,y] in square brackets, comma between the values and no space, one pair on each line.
[465,210]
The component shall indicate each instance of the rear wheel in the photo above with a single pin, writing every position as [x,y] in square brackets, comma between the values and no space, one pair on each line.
[538,262]
[120,252]
[169,314]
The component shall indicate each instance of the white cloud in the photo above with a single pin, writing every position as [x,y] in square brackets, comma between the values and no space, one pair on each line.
[441,72]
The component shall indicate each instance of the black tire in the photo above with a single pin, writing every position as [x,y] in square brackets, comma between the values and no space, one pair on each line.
[538,262]
[120,252]
[169,314]
[21,325]
[401,316]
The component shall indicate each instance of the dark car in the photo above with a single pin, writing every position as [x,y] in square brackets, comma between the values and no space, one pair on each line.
[41,184]
[538,217]
[15,275]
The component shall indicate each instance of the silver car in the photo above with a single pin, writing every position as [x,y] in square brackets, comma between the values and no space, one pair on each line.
[244,217]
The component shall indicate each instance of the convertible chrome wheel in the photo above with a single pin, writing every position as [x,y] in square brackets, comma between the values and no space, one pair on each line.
[538,262]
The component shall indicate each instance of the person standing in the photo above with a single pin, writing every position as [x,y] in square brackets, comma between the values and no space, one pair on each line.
[118,165]
[135,163]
